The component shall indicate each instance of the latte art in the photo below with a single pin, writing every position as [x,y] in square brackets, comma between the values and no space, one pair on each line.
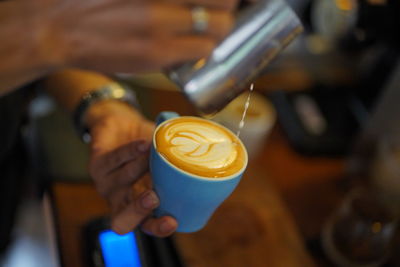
[200,147]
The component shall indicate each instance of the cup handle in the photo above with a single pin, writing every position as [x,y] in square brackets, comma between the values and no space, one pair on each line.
[166,115]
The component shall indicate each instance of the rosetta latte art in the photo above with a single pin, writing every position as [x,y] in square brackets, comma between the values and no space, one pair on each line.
[199,147]
[202,146]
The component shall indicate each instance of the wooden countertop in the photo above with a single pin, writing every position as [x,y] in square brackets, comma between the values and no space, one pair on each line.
[251,228]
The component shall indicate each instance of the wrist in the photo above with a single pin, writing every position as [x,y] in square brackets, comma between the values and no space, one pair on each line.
[100,104]
[107,110]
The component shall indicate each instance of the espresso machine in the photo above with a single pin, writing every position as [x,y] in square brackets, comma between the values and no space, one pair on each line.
[363,36]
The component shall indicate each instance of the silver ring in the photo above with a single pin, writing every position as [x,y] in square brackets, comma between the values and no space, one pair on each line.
[200,19]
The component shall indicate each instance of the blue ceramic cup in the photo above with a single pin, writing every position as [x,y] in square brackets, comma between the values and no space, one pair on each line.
[189,198]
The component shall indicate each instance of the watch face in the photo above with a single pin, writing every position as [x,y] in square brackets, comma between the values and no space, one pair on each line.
[332,19]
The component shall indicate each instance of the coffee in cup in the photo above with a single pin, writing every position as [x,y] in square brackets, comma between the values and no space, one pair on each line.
[195,165]
[200,147]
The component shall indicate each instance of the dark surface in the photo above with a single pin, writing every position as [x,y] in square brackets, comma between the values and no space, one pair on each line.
[337,110]
[12,174]
[154,252]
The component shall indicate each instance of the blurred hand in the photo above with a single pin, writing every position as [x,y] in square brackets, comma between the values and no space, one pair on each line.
[120,144]
[127,35]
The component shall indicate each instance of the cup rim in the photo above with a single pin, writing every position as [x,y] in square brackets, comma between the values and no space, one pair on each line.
[232,176]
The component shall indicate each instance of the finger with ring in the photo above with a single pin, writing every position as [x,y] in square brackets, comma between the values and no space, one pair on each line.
[200,19]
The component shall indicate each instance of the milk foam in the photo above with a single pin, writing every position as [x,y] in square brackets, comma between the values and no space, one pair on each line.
[200,147]
[197,144]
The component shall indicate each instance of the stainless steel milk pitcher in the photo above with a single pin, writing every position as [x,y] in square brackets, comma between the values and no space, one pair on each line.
[262,30]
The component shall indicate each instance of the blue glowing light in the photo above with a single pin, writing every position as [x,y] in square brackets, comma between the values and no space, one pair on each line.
[119,250]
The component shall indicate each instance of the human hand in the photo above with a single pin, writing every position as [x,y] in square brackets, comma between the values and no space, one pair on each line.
[127,35]
[120,144]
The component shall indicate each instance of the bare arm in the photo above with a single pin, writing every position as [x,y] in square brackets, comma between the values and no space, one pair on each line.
[68,86]
[22,59]
[40,36]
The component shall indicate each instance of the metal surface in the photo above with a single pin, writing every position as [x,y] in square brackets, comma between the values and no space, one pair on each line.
[261,32]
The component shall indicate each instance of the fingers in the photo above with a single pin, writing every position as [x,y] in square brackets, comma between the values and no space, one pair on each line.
[134,213]
[145,36]
[138,212]
[220,4]
[172,19]
[124,176]
[104,164]
[160,227]
[158,18]
[178,50]
[151,54]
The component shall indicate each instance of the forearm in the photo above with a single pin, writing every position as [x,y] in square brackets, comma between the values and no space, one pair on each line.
[69,86]
[21,58]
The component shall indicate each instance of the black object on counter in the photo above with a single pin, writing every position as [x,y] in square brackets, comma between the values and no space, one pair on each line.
[319,122]
[104,248]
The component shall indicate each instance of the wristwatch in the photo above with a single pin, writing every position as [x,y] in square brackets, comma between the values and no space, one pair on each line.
[112,91]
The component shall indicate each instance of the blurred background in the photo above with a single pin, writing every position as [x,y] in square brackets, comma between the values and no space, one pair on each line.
[322,187]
